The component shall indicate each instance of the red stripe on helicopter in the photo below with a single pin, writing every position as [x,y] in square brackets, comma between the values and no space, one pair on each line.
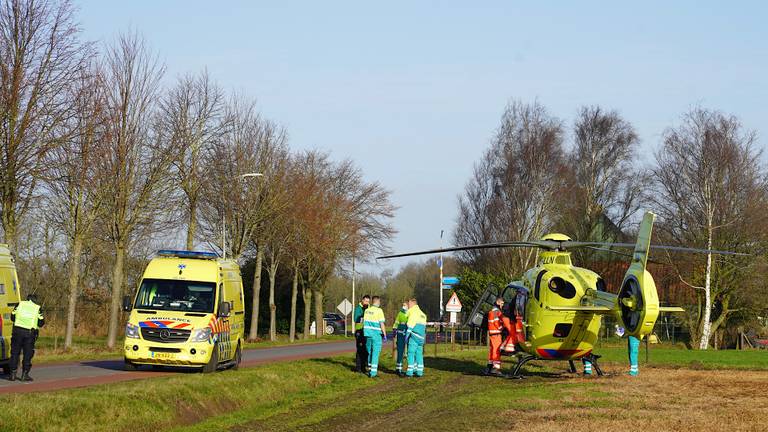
[560,354]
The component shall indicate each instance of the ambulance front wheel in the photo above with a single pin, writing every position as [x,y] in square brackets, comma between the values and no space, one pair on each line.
[213,363]
[129,366]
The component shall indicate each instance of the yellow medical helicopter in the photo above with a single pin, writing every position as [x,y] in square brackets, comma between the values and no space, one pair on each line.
[561,304]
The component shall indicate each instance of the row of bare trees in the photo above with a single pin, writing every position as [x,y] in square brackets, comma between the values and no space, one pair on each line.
[98,154]
[707,182]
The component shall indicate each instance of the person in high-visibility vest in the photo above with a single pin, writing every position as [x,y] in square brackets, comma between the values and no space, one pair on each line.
[633,346]
[27,319]
[361,355]
[400,327]
[415,336]
[375,332]
[495,326]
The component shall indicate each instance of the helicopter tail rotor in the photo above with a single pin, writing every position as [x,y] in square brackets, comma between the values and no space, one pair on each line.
[638,300]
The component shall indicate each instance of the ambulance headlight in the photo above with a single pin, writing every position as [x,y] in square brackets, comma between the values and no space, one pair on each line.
[201,335]
[131,331]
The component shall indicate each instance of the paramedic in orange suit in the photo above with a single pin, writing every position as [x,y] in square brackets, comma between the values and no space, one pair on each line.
[494,338]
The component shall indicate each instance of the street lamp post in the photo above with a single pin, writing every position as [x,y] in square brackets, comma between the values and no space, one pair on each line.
[224,216]
[440,286]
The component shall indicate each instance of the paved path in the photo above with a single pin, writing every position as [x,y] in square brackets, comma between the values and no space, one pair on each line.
[87,373]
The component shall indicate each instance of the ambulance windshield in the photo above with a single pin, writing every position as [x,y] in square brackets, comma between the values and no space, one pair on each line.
[176,295]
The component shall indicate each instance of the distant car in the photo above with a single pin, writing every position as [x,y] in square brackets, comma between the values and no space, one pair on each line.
[334,323]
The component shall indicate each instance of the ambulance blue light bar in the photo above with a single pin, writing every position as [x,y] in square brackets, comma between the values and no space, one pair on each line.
[187,254]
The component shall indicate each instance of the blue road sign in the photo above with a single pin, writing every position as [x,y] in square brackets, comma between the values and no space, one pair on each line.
[450,280]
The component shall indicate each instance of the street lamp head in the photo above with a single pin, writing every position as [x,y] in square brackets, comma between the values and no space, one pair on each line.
[244,176]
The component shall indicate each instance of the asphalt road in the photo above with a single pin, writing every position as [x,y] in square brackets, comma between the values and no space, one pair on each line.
[86,373]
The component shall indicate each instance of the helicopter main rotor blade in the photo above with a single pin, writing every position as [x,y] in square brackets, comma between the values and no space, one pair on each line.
[624,254]
[577,244]
[559,245]
[500,245]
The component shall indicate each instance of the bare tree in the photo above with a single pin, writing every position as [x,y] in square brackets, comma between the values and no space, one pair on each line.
[712,187]
[192,119]
[605,185]
[511,194]
[277,230]
[249,145]
[40,59]
[136,167]
[72,183]
[342,213]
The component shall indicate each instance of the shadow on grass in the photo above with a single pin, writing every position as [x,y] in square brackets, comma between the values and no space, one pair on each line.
[463,366]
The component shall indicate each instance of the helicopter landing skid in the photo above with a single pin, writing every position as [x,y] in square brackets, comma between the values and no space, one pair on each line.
[522,360]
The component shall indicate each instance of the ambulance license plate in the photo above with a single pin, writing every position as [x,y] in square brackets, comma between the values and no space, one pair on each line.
[163,355]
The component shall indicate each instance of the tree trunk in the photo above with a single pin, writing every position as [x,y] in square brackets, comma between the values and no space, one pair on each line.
[9,232]
[192,224]
[706,325]
[272,307]
[253,334]
[320,323]
[74,280]
[306,293]
[117,290]
[294,294]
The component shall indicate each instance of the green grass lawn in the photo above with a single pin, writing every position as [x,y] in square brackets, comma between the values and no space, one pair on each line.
[323,394]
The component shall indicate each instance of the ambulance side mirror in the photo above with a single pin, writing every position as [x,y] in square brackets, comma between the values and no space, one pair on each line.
[224,309]
[127,303]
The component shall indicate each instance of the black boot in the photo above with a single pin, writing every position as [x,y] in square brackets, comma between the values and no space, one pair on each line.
[25,376]
[12,375]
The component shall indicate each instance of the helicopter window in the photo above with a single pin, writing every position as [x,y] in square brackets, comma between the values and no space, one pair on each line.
[600,285]
[562,330]
[562,288]
[538,284]
[522,301]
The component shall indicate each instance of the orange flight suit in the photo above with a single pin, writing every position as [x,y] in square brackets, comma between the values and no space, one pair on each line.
[509,343]
[494,338]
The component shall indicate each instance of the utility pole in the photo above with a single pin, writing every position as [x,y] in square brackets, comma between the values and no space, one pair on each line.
[440,285]
[352,315]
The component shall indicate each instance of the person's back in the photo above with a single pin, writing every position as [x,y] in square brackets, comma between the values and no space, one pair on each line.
[375,333]
[27,319]
[416,335]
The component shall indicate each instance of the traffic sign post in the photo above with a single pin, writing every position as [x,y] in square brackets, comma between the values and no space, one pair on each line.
[454,307]
[345,307]
[450,280]
[454,304]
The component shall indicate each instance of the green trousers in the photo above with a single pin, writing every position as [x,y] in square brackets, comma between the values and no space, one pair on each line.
[415,357]
[374,349]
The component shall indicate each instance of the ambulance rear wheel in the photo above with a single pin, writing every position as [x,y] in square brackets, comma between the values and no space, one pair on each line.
[213,363]
[238,357]
[6,369]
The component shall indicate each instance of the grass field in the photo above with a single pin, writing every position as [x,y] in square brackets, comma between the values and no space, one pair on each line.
[724,391]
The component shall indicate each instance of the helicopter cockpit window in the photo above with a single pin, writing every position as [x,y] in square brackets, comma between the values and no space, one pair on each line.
[600,285]
[562,288]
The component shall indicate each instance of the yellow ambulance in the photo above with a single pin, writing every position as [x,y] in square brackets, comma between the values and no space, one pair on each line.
[9,299]
[188,311]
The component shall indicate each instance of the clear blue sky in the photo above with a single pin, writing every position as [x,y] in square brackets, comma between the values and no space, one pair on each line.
[413,91]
